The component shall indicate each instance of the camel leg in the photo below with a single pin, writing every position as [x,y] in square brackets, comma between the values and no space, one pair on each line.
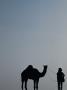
[34,84]
[22,85]
[37,85]
[26,84]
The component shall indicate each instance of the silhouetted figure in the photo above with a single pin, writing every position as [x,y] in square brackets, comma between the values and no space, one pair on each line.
[32,73]
[60,78]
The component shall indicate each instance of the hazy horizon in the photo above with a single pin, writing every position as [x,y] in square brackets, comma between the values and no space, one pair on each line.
[32,32]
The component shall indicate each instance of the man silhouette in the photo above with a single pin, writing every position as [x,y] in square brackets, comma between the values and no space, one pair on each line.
[60,78]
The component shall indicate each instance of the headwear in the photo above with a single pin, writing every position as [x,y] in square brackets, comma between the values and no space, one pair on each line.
[60,69]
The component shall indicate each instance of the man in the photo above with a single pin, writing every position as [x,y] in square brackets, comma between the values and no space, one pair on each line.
[60,78]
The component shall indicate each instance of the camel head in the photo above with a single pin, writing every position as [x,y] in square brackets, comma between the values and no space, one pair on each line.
[45,66]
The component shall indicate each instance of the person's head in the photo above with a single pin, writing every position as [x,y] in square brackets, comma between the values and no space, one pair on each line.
[60,69]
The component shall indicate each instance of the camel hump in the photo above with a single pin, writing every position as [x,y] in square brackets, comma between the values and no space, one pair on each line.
[29,67]
[27,70]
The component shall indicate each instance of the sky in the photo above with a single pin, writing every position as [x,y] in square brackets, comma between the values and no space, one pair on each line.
[32,32]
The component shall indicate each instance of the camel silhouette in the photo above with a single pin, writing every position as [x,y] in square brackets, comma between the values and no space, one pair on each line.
[34,74]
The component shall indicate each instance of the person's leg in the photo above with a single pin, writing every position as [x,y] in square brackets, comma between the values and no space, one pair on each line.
[61,85]
[58,85]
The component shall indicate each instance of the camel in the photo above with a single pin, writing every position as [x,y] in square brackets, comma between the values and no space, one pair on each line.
[34,74]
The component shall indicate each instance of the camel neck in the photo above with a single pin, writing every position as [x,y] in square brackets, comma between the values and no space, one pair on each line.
[43,73]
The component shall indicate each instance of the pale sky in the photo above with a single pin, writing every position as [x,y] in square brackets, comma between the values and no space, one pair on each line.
[32,32]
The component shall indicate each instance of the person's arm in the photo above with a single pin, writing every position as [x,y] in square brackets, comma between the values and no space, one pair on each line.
[63,74]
